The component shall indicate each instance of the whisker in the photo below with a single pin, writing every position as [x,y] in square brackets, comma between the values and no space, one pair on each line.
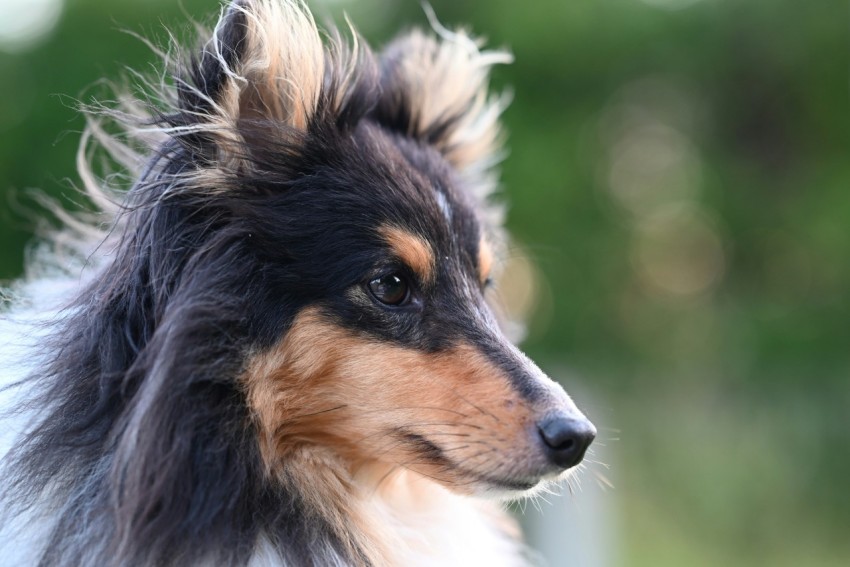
[600,463]
[406,408]
[448,434]
[320,412]
[602,480]
[441,423]
[455,448]
[522,505]
[477,407]
[467,444]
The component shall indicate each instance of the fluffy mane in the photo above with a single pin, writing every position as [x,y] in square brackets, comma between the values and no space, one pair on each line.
[143,446]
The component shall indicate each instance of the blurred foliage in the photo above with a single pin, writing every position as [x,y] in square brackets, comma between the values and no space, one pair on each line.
[678,172]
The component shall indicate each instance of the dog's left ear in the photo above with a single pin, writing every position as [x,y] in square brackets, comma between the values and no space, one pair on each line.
[263,67]
[435,90]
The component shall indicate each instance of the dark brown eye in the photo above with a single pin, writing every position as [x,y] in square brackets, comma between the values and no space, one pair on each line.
[390,289]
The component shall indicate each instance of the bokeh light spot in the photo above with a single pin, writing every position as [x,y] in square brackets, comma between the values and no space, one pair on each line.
[678,251]
[24,23]
[652,165]
[650,159]
[522,296]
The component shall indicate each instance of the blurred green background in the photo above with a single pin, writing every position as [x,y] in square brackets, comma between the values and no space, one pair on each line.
[679,178]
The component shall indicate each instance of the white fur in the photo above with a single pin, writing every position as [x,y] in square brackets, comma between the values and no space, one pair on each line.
[437,527]
[56,273]
[423,524]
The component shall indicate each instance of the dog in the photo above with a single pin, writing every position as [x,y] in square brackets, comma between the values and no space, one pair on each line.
[277,347]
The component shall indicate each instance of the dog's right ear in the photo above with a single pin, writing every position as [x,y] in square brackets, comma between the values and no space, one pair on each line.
[436,90]
[264,64]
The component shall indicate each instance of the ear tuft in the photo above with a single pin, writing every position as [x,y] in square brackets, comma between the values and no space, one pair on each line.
[280,75]
[435,90]
[264,61]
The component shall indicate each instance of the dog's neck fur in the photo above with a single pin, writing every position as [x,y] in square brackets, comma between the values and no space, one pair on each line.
[383,515]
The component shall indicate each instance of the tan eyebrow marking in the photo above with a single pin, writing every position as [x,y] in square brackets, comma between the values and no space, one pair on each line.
[485,259]
[413,250]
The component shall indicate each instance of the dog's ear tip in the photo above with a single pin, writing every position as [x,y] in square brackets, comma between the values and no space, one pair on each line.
[436,90]
[263,57]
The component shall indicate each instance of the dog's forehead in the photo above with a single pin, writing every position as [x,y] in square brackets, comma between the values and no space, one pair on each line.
[415,189]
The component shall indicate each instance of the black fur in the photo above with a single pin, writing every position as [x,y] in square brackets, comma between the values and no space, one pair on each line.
[148,445]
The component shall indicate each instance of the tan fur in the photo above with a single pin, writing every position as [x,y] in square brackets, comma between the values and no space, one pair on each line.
[332,409]
[393,517]
[321,479]
[485,259]
[285,69]
[413,250]
[280,75]
[324,386]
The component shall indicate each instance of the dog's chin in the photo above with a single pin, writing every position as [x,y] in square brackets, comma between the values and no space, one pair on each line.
[516,488]
[507,491]
[504,488]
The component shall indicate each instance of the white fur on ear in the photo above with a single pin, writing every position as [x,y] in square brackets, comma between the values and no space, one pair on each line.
[442,81]
[267,69]
[267,66]
[264,64]
[280,71]
[265,58]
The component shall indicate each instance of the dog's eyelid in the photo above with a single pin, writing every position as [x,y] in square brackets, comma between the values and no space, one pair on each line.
[391,265]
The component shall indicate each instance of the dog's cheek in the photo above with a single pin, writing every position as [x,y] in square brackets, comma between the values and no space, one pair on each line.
[447,415]
[451,416]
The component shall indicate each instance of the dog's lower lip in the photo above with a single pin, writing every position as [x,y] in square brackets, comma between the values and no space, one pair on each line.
[510,484]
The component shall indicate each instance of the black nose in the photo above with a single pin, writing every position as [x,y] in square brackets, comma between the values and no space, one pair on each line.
[565,439]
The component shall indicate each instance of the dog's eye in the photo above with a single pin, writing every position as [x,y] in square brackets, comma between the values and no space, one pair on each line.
[390,289]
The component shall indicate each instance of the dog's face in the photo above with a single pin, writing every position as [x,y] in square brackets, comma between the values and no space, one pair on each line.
[398,359]
[374,242]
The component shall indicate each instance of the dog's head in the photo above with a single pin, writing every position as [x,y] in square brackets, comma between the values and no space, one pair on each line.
[350,190]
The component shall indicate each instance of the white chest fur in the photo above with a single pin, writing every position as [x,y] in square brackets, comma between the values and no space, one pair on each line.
[424,524]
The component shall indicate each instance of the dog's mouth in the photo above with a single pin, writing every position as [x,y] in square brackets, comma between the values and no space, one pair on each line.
[499,473]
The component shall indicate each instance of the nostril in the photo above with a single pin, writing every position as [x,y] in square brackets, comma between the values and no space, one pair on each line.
[565,439]
[558,440]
